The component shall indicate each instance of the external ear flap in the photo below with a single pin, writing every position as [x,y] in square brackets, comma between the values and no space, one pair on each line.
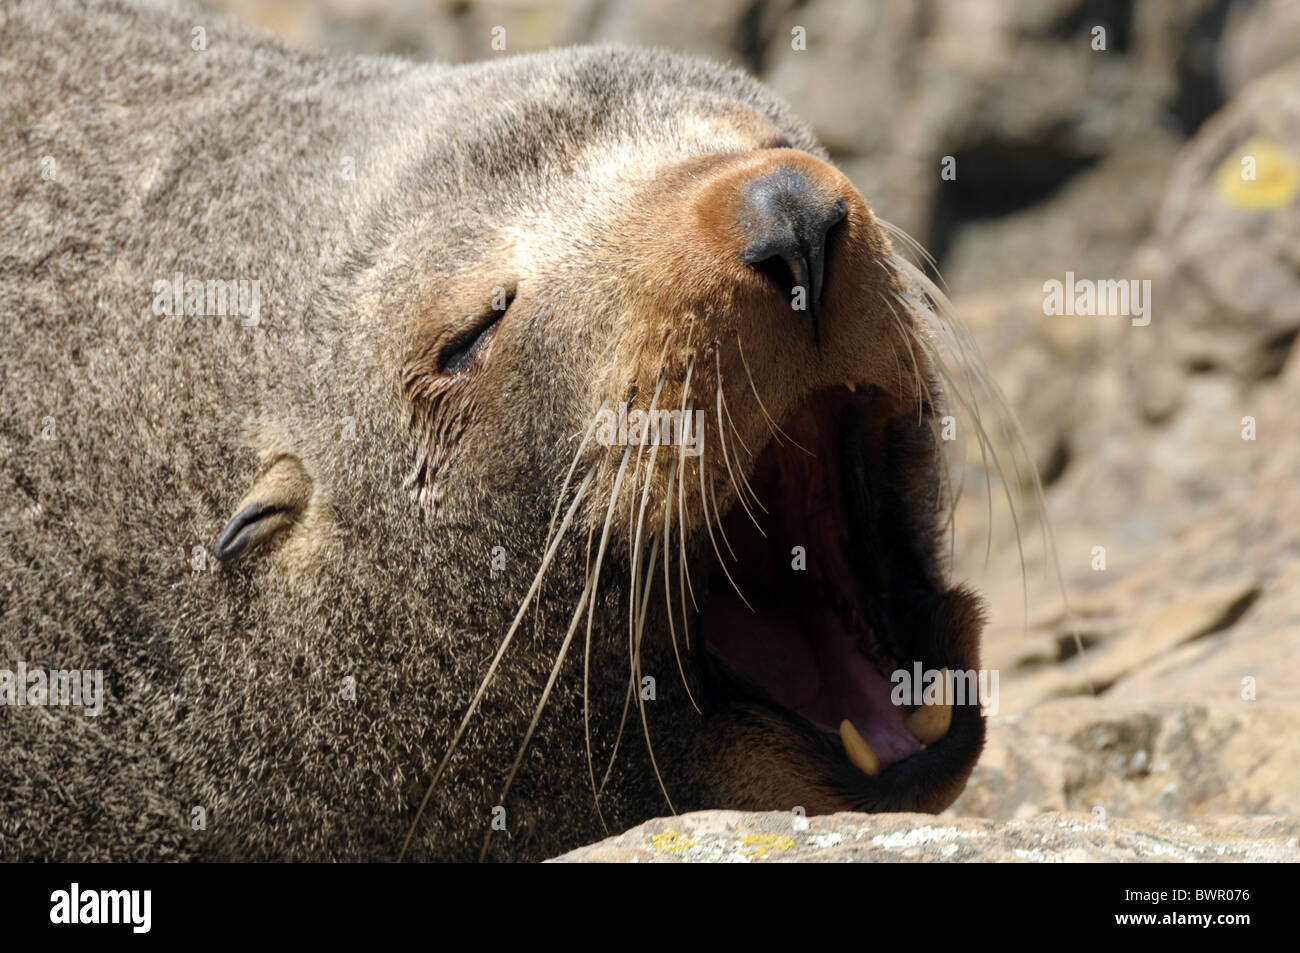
[276,501]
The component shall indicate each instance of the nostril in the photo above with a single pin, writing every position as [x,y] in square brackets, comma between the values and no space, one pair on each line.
[780,259]
[831,220]
[786,222]
[775,270]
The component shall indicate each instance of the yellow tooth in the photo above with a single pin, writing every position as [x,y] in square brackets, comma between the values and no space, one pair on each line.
[859,752]
[929,723]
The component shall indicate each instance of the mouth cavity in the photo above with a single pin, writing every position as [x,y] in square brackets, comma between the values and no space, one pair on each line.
[842,588]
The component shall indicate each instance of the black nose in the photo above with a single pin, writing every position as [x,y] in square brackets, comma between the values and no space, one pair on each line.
[786,221]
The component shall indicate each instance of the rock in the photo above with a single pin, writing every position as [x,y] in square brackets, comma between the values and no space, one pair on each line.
[1258,38]
[871,47]
[1197,524]
[735,837]
[1193,627]
[1090,225]
[1222,258]
[1015,92]
[1197,598]
[1139,759]
[736,31]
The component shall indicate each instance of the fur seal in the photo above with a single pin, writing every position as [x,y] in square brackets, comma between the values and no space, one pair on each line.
[383,339]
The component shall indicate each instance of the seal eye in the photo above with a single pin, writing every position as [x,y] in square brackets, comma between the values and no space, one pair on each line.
[460,350]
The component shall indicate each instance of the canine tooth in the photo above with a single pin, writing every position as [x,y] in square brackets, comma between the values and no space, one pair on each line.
[859,752]
[853,388]
[929,723]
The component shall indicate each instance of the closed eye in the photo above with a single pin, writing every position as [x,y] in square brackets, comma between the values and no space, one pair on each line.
[457,354]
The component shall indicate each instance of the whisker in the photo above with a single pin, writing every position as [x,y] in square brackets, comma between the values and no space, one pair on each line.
[971,406]
[969,351]
[635,561]
[668,593]
[684,578]
[594,583]
[969,370]
[775,427]
[727,460]
[913,342]
[736,433]
[708,526]
[952,494]
[622,724]
[541,705]
[636,664]
[564,487]
[496,661]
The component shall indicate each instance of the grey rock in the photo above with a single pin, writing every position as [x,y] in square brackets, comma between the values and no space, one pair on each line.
[734,837]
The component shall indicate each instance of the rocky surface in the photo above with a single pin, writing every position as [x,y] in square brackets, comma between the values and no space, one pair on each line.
[1171,448]
[734,837]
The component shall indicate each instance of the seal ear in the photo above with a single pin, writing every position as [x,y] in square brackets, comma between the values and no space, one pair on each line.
[275,502]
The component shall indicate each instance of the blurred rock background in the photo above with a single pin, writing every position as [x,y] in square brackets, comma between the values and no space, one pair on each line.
[1104,138]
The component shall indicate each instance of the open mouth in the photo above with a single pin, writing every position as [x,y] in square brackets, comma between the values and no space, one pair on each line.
[838,590]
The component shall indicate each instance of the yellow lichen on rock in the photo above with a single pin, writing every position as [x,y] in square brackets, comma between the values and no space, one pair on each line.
[671,842]
[757,845]
[1270,179]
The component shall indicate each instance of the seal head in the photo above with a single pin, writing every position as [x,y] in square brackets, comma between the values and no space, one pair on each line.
[575,459]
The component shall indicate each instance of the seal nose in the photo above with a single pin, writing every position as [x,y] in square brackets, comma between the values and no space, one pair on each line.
[786,220]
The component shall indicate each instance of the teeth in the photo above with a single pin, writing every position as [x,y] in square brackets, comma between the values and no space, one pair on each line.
[853,388]
[859,752]
[929,723]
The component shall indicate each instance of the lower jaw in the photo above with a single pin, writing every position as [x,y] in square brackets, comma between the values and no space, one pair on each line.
[756,756]
[830,681]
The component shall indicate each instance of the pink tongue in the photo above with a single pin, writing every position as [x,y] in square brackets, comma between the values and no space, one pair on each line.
[822,676]
[856,691]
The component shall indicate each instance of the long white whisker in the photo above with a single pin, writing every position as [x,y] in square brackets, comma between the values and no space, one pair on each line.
[496,661]
[777,432]
[708,526]
[684,578]
[722,443]
[743,479]
[564,487]
[668,597]
[645,722]
[591,607]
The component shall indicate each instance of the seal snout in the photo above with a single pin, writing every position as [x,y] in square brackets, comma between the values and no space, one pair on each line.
[786,221]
